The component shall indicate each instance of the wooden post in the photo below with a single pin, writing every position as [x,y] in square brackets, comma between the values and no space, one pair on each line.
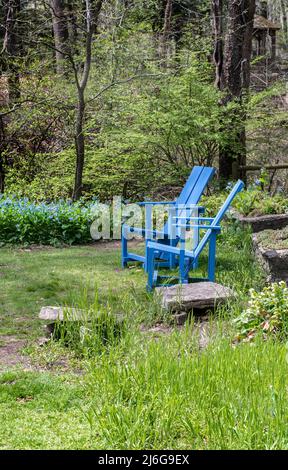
[273,41]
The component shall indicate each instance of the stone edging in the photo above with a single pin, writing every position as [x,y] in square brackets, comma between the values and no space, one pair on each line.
[263,222]
[274,262]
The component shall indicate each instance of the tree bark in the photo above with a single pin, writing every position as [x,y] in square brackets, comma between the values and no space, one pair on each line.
[165,36]
[217,15]
[72,26]
[263,8]
[284,18]
[2,163]
[60,31]
[80,145]
[10,48]
[235,79]
[93,9]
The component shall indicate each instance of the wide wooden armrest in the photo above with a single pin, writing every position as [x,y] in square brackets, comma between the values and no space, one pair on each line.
[216,228]
[154,203]
[143,231]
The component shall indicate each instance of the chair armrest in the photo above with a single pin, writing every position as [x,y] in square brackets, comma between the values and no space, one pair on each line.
[143,231]
[216,228]
[201,209]
[154,203]
[195,219]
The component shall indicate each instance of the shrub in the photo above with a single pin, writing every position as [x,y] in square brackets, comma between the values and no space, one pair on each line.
[257,202]
[267,313]
[24,222]
[251,202]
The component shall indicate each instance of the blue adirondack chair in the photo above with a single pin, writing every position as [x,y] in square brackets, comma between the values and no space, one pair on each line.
[187,258]
[190,195]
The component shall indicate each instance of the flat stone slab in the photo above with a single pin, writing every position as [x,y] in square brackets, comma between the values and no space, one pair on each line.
[200,295]
[263,222]
[54,314]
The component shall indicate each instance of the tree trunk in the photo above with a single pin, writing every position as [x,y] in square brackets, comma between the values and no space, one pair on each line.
[263,8]
[60,31]
[235,79]
[217,14]
[93,9]
[10,49]
[72,29]
[284,18]
[80,146]
[9,64]
[165,36]
[2,165]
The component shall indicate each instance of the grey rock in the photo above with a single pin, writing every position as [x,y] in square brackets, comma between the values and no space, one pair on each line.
[62,314]
[263,222]
[274,262]
[181,318]
[42,341]
[200,295]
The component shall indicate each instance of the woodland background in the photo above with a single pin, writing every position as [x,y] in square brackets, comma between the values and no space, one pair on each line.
[105,97]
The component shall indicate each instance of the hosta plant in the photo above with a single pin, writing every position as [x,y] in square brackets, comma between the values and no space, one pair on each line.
[24,222]
[266,314]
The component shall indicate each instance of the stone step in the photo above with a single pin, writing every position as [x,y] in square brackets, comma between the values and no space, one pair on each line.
[198,295]
[274,261]
[62,314]
[263,222]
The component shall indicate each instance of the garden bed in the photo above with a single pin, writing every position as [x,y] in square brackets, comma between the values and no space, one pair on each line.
[254,207]
[271,248]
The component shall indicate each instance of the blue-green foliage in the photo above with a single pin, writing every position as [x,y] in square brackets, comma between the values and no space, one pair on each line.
[25,222]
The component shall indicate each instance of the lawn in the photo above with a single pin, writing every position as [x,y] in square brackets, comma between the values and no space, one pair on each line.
[151,388]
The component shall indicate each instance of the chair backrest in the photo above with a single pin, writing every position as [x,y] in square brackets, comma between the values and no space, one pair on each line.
[193,188]
[236,189]
[195,185]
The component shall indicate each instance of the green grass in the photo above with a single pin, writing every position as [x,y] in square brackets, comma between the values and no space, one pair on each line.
[167,394]
[154,395]
[30,279]
[143,389]
[42,410]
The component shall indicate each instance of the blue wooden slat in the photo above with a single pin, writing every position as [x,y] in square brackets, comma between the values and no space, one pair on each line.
[201,183]
[190,185]
[164,248]
[133,256]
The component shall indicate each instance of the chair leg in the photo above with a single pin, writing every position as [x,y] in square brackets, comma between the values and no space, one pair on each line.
[124,249]
[150,268]
[172,261]
[146,257]
[212,258]
[196,243]
[183,268]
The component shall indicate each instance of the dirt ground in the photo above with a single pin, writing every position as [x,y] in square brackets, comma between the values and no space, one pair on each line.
[10,353]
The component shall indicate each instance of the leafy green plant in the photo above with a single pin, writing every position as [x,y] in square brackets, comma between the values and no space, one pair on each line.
[266,314]
[24,222]
[252,202]
[257,202]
